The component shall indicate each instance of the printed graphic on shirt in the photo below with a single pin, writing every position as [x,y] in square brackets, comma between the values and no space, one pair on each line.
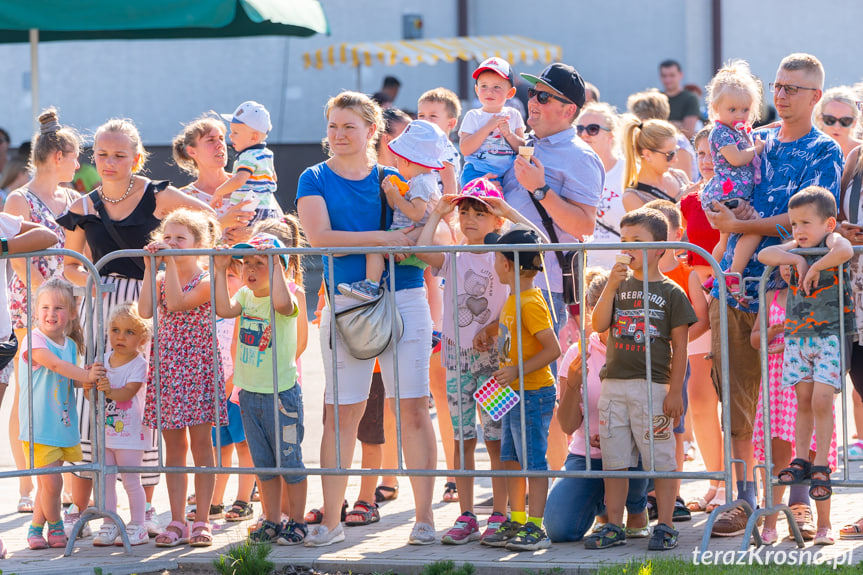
[254,340]
[473,303]
[60,405]
[115,414]
[630,324]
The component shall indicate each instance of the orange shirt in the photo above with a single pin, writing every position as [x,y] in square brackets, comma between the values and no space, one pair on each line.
[680,276]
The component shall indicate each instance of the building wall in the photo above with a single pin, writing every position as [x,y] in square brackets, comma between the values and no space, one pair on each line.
[615,44]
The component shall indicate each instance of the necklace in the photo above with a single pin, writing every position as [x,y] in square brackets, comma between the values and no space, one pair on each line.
[113,201]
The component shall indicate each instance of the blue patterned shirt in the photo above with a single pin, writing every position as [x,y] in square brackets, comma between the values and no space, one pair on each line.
[786,168]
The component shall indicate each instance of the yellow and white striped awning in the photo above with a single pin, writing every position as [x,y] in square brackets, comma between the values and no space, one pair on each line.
[515,49]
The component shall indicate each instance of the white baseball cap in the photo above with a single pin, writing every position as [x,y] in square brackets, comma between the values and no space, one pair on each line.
[422,143]
[252,114]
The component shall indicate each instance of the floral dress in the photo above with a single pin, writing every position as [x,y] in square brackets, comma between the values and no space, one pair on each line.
[186,368]
[49,267]
[783,401]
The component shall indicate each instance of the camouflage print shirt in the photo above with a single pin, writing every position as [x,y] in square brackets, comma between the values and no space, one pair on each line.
[817,314]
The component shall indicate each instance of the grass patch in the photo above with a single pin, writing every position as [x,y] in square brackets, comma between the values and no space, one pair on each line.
[780,561]
[448,568]
[245,558]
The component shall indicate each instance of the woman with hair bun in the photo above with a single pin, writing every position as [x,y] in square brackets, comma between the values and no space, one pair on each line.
[200,151]
[54,157]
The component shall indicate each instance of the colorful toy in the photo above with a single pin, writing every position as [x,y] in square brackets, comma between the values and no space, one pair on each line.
[398,183]
[494,399]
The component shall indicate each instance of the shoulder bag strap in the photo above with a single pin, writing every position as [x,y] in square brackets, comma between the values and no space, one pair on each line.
[548,224]
[109,227]
[381,175]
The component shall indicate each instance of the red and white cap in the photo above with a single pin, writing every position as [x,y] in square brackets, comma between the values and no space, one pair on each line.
[497,65]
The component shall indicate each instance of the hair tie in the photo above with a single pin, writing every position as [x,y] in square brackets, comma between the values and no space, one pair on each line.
[640,125]
[50,127]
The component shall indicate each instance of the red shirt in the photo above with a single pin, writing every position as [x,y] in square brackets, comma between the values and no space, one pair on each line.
[698,228]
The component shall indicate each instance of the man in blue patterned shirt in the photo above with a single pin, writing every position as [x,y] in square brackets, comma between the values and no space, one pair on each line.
[796,155]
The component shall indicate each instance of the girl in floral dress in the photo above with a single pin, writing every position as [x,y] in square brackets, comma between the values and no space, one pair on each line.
[182,393]
[783,411]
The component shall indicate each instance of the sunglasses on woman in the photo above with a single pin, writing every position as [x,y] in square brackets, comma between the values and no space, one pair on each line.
[591,129]
[544,97]
[668,155]
[844,121]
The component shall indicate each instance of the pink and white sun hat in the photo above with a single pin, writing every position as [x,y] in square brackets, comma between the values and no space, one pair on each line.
[478,189]
[422,143]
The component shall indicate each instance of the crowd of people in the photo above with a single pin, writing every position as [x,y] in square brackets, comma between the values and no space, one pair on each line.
[573,170]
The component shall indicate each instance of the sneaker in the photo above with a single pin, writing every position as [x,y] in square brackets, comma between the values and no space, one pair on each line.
[855,451]
[730,523]
[36,537]
[824,537]
[803,518]
[106,535]
[507,530]
[364,290]
[466,529]
[320,536]
[493,524]
[137,534]
[70,518]
[769,536]
[151,522]
[422,534]
[529,538]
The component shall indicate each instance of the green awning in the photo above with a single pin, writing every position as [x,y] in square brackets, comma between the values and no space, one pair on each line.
[59,20]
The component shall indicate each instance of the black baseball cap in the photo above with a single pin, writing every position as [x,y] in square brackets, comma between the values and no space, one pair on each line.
[563,79]
[519,235]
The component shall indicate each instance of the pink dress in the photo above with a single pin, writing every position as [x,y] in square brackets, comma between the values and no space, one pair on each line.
[186,368]
[783,402]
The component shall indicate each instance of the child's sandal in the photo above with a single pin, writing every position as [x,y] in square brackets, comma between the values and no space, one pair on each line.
[201,535]
[820,487]
[609,536]
[797,472]
[176,533]
[239,511]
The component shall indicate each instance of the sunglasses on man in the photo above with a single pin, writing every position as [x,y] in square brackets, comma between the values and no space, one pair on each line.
[591,129]
[790,89]
[544,97]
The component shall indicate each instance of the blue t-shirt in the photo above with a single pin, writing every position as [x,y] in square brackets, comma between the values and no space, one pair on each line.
[353,206]
[786,168]
[55,418]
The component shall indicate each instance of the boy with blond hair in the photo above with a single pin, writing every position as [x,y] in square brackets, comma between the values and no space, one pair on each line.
[442,108]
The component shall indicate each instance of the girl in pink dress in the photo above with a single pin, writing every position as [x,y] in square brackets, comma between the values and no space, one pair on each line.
[187,391]
[783,408]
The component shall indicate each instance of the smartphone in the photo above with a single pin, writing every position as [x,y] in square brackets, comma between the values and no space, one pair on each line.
[731,204]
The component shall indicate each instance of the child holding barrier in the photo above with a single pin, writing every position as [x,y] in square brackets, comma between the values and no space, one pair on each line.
[54,355]
[812,362]
[126,437]
[183,396]
[253,374]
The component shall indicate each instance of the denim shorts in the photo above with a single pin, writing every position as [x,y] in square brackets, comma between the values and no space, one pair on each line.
[233,432]
[257,410]
[538,409]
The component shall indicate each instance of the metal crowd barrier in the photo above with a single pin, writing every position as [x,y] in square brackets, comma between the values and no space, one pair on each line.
[97,329]
[772,506]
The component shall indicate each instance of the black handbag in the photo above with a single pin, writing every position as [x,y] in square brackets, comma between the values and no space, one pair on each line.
[367,327]
[569,261]
[8,349]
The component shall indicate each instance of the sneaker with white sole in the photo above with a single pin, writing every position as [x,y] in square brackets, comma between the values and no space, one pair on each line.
[362,290]
[494,522]
[422,534]
[106,535]
[529,538]
[137,534]
[151,522]
[730,523]
[70,518]
[321,536]
[466,529]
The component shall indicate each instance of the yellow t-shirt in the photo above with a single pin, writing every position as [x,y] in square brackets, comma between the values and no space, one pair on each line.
[534,318]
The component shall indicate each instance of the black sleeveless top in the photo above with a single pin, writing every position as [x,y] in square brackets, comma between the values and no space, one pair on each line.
[135,230]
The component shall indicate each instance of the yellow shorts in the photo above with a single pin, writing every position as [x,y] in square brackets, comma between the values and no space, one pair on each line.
[45,455]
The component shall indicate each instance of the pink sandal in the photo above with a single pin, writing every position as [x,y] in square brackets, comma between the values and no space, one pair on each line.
[57,537]
[179,535]
[201,535]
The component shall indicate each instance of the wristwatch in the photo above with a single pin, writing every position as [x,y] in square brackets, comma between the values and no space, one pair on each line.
[539,193]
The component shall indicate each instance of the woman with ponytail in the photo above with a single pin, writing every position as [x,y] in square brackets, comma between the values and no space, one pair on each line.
[649,148]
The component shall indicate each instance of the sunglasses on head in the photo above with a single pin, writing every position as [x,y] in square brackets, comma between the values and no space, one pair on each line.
[668,155]
[844,121]
[591,129]
[544,97]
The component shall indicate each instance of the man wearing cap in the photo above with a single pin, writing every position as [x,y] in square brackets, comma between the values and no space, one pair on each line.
[559,186]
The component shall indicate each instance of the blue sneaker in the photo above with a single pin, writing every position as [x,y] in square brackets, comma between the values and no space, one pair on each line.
[364,290]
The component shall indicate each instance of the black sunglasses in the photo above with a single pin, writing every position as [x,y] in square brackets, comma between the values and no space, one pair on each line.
[591,129]
[668,155]
[844,121]
[544,97]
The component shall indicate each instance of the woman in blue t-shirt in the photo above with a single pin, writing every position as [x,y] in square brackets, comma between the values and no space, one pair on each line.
[339,205]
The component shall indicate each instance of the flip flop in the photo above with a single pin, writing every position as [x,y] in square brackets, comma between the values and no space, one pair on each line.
[386,493]
[25,504]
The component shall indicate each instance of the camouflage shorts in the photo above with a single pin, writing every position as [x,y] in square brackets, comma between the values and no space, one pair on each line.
[464,426]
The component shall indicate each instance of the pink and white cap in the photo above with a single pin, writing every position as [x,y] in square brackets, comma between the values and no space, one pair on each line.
[479,189]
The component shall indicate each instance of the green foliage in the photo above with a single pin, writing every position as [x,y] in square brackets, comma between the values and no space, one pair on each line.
[447,568]
[245,558]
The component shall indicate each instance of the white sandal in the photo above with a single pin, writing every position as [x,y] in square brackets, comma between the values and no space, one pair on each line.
[717,501]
